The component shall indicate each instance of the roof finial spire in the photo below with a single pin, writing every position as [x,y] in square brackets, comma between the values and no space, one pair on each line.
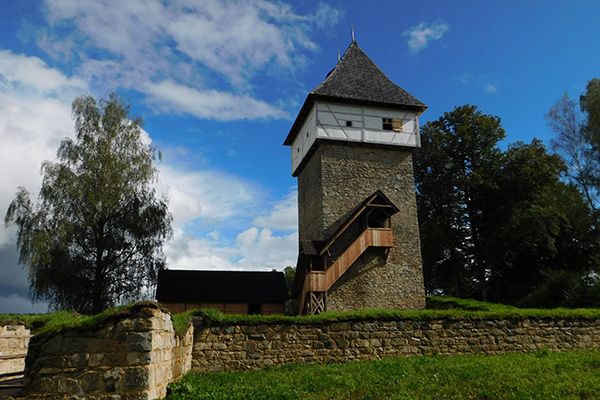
[339,57]
[353,39]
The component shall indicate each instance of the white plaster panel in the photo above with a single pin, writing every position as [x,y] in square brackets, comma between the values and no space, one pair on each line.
[335,132]
[326,118]
[405,139]
[409,125]
[304,139]
[353,134]
[343,117]
[340,108]
[373,123]
[328,121]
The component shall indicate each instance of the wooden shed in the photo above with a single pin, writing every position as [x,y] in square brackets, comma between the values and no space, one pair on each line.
[233,292]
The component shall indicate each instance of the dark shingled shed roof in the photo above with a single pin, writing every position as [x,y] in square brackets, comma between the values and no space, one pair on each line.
[185,286]
[356,79]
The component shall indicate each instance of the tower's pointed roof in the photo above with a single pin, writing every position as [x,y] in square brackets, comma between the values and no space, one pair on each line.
[356,79]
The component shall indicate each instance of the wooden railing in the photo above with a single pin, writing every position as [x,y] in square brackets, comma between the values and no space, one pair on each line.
[321,281]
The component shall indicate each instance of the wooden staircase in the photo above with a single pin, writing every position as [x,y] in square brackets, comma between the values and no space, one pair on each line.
[317,283]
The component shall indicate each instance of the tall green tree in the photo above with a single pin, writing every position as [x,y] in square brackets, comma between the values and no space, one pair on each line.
[590,106]
[543,225]
[578,139]
[454,170]
[94,237]
[495,224]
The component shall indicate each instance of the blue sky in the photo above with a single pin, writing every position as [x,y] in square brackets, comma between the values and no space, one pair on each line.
[219,83]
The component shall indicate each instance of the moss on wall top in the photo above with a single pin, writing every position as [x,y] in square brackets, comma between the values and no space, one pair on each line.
[55,322]
[440,308]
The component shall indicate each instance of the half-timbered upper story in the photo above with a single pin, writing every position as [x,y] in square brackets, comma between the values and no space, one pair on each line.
[356,102]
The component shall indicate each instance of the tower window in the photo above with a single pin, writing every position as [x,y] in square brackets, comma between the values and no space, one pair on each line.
[307,134]
[392,124]
[348,123]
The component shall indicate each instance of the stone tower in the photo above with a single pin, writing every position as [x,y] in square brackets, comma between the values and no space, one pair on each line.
[351,146]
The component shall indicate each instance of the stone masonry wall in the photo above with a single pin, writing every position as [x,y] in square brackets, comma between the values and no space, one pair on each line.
[132,357]
[239,347]
[339,176]
[310,200]
[182,354]
[14,340]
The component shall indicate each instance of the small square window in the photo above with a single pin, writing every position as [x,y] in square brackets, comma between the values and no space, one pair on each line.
[392,124]
[348,123]
[387,124]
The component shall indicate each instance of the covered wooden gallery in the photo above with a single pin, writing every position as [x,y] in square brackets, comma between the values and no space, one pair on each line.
[232,292]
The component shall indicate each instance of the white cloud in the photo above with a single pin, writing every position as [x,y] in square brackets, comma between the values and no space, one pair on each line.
[327,16]
[185,251]
[224,201]
[419,36]
[31,75]
[213,196]
[485,82]
[35,116]
[283,216]
[210,104]
[168,50]
[252,249]
[490,88]
[261,249]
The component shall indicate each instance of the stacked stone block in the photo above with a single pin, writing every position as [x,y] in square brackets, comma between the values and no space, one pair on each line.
[129,358]
[240,347]
[14,340]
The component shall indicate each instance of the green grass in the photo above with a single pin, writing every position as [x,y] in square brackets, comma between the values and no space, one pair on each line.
[449,303]
[438,307]
[37,322]
[182,321]
[442,307]
[58,321]
[540,375]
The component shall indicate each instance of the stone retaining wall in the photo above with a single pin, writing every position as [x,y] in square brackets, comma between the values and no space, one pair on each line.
[238,347]
[137,354]
[14,340]
[127,357]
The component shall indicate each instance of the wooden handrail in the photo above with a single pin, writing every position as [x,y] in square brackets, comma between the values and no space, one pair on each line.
[321,281]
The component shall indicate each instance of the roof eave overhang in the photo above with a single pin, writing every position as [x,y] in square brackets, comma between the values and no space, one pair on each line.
[312,97]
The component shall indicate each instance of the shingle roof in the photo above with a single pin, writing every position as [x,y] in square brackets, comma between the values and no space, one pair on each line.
[221,287]
[356,79]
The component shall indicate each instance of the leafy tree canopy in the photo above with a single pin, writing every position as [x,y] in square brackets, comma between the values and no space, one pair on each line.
[578,139]
[93,239]
[494,224]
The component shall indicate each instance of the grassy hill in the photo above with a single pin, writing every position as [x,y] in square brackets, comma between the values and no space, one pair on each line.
[541,375]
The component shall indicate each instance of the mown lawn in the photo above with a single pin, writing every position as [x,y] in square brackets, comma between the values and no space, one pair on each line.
[541,375]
